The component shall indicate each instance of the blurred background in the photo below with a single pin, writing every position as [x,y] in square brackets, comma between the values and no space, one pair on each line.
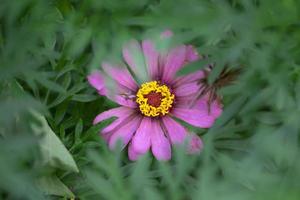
[49,148]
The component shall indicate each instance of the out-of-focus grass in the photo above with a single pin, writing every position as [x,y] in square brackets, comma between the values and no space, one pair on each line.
[48,48]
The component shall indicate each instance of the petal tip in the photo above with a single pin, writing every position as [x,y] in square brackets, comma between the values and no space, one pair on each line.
[195,144]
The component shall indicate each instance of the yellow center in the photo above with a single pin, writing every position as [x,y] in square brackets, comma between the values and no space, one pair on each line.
[154,99]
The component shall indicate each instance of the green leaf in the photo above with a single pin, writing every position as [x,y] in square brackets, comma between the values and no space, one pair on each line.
[215,73]
[78,130]
[51,185]
[231,111]
[60,112]
[53,150]
[51,85]
[194,66]
[84,97]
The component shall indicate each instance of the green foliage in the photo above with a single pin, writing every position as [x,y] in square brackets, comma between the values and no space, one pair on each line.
[53,151]
[47,48]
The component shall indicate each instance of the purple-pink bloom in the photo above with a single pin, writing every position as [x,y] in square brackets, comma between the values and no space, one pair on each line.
[153,98]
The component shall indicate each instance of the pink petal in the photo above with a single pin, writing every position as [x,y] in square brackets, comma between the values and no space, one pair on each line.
[141,140]
[120,75]
[160,145]
[176,132]
[124,133]
[132,154]
[151,58]
[191,54]
[133,55]
[204,113]
[108,131]
[195,117]
[123,119]
[96,80]
[195,144]
[115,112]
[120,94]
[185,101]
[174,61]
[107,136]
[187,89]
[215,107]
[124,101]
[192,77]
[121,99]
[115,94]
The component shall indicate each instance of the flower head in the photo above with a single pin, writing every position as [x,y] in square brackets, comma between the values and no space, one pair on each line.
[152,98]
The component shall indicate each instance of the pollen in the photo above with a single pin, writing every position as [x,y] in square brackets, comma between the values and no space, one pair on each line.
[154,99]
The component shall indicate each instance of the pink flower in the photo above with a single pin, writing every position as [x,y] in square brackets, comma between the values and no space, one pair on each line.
[153,98]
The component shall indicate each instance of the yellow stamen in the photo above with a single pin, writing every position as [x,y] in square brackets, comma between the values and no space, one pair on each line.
[150,94]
